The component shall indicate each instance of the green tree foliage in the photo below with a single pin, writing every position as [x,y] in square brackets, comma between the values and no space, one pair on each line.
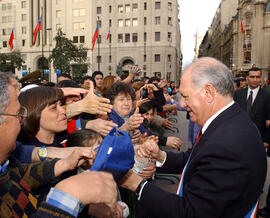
[66,53]
[11,61]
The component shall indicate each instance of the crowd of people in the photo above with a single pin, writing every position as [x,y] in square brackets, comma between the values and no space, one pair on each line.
[51,134]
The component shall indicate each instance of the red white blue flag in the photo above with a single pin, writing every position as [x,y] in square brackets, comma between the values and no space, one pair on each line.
[38,28]
[95,36]
[108,34]
[11,38]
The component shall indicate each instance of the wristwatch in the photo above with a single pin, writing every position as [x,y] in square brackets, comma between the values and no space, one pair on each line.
[42,153]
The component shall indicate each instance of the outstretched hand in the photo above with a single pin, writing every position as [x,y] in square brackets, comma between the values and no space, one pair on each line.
[79,156]
[94,104]
[134,121]
[91,187]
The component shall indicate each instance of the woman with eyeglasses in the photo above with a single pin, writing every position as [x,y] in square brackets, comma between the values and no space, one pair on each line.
[46,122]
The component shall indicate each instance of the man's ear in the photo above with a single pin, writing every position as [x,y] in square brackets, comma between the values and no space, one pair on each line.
[210,92]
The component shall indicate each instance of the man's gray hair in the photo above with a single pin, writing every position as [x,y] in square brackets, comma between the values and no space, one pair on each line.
[209,70]
[4,93]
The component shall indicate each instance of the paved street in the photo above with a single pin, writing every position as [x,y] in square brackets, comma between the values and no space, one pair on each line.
[180,124]
[181,130]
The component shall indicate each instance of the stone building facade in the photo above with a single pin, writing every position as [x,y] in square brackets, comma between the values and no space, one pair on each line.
[142,32]
[246,46]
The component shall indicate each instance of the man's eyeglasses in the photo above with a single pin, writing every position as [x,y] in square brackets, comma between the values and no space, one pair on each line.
[20,115]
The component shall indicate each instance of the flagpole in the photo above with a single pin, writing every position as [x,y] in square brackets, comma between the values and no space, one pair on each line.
[42,49]
[98,47]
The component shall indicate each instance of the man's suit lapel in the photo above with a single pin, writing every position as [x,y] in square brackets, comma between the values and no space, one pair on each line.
[225,115]
[243,98]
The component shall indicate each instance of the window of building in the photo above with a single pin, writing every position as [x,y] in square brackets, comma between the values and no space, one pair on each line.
[98,10]
[157,36]
[120,8]
[157,5]
[23,42]
[120,23]
[23,17]
[127,22]
[145,6]
[110,22]
[82,25]
[76,12]
[58,13]
[110,9]
[127,37]
[134,22]
[157,57]
[145,36]
[99,23]
[4,19]
[135,7]
[75,26]
[4,44]
[110,59]
[79,12]
[128,9]
[4,7]
[134,37]
[24,30]
[169,36]
[75,39]
[99,59]
[169,21]
[82,39]
[4,32]
[169,58]
[169,5]
[120,38]
[144,67]
[247,20]
[157,20]
[58,26]
[23,4]
[82,12]
[247,57]
[145,20]
[9,6]
[144,58]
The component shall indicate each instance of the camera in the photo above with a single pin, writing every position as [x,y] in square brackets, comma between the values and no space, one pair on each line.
[144,93]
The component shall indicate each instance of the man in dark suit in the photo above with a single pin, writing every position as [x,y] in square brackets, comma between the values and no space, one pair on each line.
[225,170]
[256,102]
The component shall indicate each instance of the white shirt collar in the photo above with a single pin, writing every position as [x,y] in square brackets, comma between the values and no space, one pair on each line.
[209,121]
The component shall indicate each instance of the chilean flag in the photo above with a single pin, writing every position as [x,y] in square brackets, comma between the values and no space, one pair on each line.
[108,34]
[38,28]
[95,36]
[242,25]
[11,38]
